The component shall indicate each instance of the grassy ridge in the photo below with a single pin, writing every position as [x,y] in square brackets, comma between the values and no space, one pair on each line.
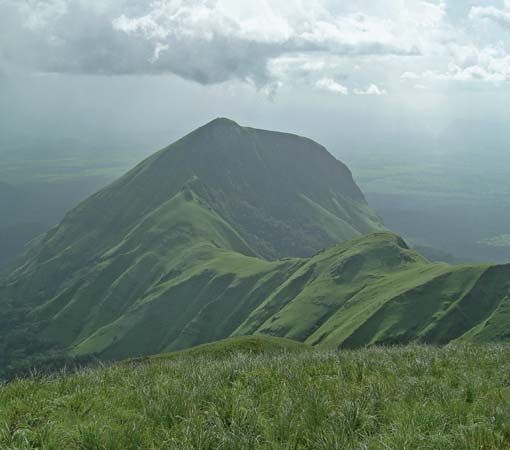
[456,397]
[375,290]
[183,247]
[253,345]
[202,241]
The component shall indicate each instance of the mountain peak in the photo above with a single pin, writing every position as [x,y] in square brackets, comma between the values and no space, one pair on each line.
[222,122]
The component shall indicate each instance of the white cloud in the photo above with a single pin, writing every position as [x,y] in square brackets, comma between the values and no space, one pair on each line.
[254,41]
[499,16]
[208,41]
[331,85]
[267,43]
[410,76]
[372,89]
[471,64]
[39,14]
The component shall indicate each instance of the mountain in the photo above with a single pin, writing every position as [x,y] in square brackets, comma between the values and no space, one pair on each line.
[203,220]
[220,234]
[376,290]
[252,345]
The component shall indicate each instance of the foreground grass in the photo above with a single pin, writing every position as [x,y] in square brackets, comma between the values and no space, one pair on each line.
[457,397]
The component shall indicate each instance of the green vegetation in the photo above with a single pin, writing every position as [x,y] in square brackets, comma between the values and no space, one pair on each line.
[260,247]
[253,345]
[209,238]
[455,397]
[182,248]
[375,290]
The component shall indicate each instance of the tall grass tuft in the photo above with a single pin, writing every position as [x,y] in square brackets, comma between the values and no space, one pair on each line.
[417,397]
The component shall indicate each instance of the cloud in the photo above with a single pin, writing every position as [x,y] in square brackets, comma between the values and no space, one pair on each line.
[331,85]
[410,76]
[498,16]
[39,14]
[470,64]
[372,89]
[67,36]
[207,41]
[242,42]
[266,43]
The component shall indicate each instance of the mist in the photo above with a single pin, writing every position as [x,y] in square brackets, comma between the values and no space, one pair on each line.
[132,116]
[412,96]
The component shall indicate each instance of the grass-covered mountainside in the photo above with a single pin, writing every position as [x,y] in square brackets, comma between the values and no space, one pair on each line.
[269,394]
[375,290]
[251,345]
[198,223]
[216,236]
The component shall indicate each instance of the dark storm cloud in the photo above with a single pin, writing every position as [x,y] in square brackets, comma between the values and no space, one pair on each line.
[193,39]
[266,43]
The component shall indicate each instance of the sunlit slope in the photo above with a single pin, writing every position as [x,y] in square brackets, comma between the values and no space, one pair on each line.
[281,195]
[181,265]
[253,345]
[209,238]
[284,194]
[375,290]
[270,394]
[178,251]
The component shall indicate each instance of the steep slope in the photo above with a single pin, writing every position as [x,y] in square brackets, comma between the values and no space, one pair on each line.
[183,250]
[253,345]
[286,195]
[146,291]
[375,290]
[178,251]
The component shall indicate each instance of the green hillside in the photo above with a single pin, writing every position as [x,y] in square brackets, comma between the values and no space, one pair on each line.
[184,247]
[230,396]
[375,290]
[252,345]
[219,235]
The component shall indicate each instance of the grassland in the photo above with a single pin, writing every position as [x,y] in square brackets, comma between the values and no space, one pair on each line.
[209,238]
[259,393]
[182,248]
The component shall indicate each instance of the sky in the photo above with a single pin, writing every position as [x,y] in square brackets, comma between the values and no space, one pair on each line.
[139,74]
